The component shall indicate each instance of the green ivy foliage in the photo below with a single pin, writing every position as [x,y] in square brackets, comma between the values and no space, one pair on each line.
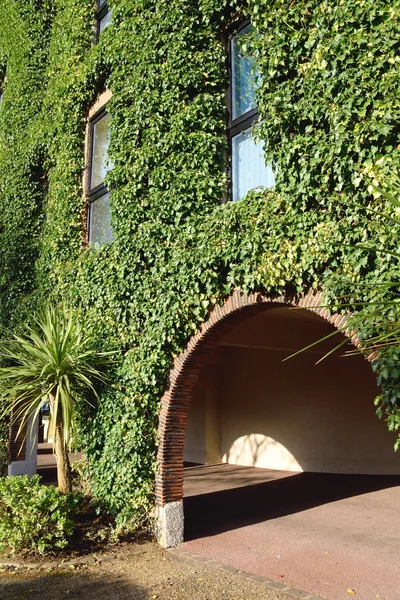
[25,28]
[329,116]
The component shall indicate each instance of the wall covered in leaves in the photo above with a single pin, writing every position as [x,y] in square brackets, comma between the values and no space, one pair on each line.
[330,119]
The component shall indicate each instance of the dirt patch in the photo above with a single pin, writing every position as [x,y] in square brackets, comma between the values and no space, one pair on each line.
[134,571]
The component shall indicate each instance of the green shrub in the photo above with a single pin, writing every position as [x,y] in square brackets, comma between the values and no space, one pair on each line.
[34,517]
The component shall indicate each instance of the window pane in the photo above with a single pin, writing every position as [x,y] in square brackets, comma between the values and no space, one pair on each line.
[100,231]
[249,170]
[100,163]
[106,20]
[244,77]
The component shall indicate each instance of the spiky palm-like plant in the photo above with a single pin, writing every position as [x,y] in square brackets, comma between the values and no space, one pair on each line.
[53,360]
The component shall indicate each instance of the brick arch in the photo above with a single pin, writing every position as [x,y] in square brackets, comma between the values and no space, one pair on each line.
[183,378]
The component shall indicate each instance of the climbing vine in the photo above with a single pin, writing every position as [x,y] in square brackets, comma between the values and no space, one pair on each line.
[329,117]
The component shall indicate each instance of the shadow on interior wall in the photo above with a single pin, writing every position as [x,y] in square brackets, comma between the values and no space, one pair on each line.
[213,513]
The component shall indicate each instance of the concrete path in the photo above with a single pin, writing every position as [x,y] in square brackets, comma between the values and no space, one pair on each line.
[136,571]
[336,536]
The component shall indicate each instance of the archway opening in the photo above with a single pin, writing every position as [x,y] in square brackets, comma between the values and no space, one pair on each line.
[241,419]
[252,408]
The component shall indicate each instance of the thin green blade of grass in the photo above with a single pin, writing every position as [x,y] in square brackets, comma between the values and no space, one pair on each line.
[313,344]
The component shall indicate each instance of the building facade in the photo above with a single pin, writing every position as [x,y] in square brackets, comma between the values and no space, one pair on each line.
[184,173]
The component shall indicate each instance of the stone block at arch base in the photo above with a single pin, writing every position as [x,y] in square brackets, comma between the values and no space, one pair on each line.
[169,524]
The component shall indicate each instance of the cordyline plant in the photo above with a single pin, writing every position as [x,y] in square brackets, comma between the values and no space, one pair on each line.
[53,360]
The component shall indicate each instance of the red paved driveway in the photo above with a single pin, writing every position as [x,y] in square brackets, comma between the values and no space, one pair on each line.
[326,534]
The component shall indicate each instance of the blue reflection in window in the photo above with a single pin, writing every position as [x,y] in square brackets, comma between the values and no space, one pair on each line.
[244,75]
[249,170]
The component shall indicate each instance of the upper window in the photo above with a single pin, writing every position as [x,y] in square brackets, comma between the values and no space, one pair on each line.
[248,168]
[99,215]
[103,16]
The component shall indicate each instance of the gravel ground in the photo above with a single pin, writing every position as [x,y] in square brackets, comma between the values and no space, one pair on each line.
[134,571]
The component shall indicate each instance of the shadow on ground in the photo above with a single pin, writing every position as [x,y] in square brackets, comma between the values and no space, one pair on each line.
[72,585]
[213,513]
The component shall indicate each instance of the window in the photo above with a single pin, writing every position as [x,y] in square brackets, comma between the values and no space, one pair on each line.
[248,168]
[99,217]
[103,16]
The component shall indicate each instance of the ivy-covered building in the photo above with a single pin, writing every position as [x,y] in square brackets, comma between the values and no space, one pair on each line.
[185,173]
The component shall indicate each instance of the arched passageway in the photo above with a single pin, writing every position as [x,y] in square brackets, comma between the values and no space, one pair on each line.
[232,400]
